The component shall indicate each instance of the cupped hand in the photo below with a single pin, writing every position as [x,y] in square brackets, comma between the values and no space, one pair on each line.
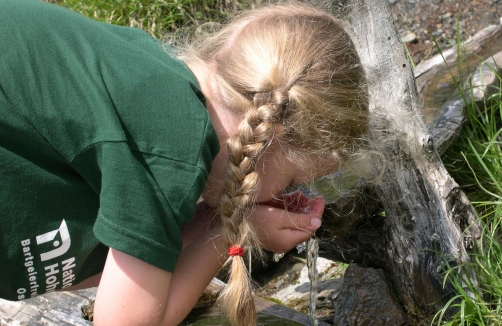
[283,223]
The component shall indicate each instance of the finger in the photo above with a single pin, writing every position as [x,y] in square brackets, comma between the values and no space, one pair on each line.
[290,238]
[300,222]
[308,221]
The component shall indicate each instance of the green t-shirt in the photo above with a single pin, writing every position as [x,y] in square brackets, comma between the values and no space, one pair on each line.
[104,142]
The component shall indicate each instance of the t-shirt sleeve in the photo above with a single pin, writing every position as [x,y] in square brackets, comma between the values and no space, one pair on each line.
[144,200]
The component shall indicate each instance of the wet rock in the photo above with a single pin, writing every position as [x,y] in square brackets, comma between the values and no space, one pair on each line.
[279,283]
[297,295]
[366,299]
[299,291]
[268,312]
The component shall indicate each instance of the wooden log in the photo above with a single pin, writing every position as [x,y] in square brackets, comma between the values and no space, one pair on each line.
[350,233]
[425,211]
[53,309]
[435,78]
[449,119]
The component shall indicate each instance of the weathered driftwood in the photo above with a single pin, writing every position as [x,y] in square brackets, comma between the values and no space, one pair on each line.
[356,238]
[435,77]
[355,243]
[53,309]
[441,87]
[447,122]
[425,212]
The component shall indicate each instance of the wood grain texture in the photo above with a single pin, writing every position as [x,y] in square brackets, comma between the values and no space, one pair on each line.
[425,211]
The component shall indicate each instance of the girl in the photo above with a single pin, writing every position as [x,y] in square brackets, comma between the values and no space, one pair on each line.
[108,140]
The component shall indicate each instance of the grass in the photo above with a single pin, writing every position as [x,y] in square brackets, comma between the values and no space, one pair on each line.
[475,162]
[157,17]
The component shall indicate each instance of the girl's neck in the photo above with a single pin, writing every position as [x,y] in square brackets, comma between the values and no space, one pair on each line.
[224,121]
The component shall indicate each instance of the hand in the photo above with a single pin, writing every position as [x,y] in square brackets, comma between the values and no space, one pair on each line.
[283,223]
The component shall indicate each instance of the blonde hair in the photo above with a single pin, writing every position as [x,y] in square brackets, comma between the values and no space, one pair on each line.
[293,73]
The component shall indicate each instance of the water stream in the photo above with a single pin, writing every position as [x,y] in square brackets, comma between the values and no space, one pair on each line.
[312,252]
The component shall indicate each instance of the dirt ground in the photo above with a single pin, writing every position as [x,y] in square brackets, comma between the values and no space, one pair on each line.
[441,19]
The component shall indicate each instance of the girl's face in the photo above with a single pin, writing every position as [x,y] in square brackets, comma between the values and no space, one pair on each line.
[276,173]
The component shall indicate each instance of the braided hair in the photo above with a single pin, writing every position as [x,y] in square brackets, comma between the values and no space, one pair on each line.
[293,74]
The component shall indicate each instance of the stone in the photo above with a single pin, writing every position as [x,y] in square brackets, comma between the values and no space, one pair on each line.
[366,299]
[268,312]
[301,290]
[409,37]
[297,296]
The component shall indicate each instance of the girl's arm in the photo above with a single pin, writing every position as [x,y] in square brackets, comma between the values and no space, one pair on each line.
[133,292]
[202,222]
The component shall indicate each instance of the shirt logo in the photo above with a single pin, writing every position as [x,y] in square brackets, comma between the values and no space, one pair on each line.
[61,247]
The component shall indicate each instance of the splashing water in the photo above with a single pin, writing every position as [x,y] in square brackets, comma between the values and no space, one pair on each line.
[312,252]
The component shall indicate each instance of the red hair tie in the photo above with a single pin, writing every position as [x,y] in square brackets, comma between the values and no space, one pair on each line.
[236,251]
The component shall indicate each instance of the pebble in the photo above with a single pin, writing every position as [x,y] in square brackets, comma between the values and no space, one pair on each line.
[279,284]
[437,33]
[426,14]
[409,37]
[322,265]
